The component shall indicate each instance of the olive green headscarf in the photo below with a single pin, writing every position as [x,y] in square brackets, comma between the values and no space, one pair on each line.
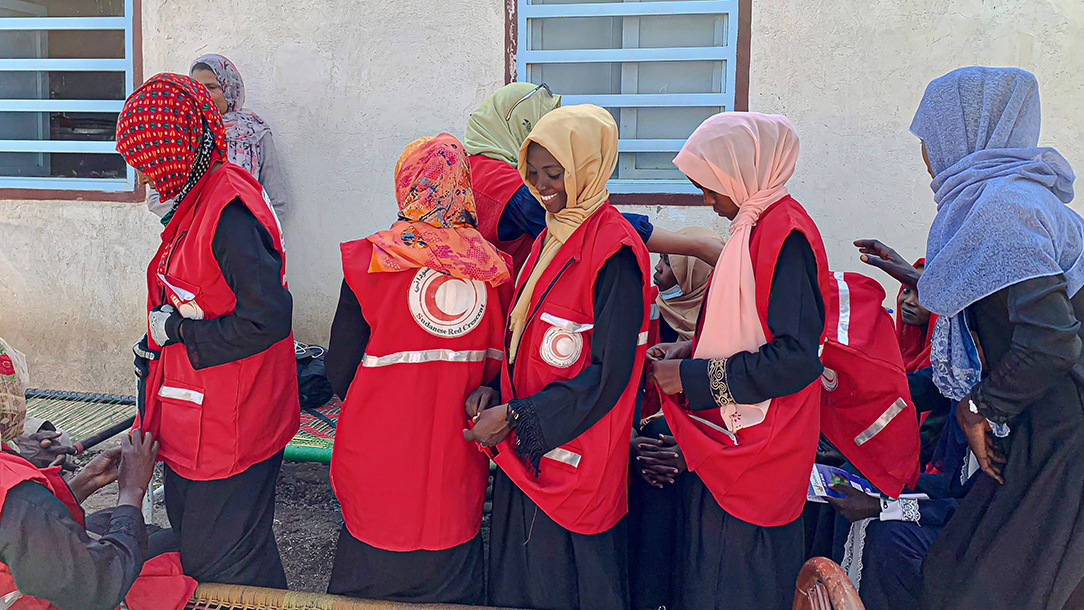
[489,134]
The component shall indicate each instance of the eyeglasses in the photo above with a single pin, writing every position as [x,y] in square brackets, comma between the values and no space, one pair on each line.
[508,117]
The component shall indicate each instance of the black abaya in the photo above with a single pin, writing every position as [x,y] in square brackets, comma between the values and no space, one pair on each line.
[1020,545]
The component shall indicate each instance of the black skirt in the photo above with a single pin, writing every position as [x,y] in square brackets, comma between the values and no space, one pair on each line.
[535,563]
[450,576]
[225,528]
[1019,545]
[725,563]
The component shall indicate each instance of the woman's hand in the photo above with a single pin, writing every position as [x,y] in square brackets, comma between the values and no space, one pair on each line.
[681,350]
[980,439]
[667,375]
[886,259]
[481,399]
[137,453]
[658,460]
[490,426]
[855,505]
[101,471]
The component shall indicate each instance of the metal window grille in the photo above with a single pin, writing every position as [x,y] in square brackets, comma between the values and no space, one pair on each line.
[63,80]
[660,67]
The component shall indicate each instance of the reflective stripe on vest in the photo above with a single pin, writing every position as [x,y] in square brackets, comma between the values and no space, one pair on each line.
[844,325]
[564,456]
[431,355]
[184,394]
[879,424]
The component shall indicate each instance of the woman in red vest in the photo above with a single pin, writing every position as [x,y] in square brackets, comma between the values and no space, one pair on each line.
[47,559]
[220,388]
[750,428]
[568,394]
[509,215]
[418,327]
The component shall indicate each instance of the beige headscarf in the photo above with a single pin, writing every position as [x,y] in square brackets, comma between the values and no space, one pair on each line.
[491,132]
[584,140]
[692,275]
[747,157]
[13,381]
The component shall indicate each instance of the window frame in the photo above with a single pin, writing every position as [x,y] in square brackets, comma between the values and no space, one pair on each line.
[130,192]
[513,22]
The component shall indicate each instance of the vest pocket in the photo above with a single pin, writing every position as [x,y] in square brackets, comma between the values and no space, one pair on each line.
[182,425]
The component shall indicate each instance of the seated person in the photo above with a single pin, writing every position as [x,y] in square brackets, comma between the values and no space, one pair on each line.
[883,549]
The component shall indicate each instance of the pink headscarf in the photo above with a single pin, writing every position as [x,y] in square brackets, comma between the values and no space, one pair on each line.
[748,157]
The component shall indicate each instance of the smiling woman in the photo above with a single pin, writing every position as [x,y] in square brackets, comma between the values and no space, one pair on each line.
[569,391]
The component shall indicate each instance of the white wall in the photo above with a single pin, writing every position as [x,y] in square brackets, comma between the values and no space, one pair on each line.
[850,76]
[346,84]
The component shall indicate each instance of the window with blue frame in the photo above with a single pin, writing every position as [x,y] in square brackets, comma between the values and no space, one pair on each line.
[660,67]
[66,67]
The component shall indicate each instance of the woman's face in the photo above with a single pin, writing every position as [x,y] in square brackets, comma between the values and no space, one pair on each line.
[143,179]
[547,176]
[724,206]
[911,313]
[209,80]
[926,159]
[664,274]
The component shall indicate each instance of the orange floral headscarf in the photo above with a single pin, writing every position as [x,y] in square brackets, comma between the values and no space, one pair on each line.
[437,221]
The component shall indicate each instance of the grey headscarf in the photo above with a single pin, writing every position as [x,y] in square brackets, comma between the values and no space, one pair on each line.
[244,128]
[1001,214]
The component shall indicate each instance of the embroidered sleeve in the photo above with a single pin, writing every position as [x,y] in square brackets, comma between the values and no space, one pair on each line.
[720,387]
[910,510]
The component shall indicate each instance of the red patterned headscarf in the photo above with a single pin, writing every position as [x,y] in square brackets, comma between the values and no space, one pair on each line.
[437,220]
[170,130]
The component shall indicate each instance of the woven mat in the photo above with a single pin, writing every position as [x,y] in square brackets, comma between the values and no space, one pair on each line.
[315,438]
[82,415]
[236,597]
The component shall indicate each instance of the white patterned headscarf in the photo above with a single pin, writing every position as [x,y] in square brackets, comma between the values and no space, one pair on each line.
[244,129]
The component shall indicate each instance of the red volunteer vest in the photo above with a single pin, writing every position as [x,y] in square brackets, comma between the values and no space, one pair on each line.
[583,483]
[215,422]
[494,182]
[434,340]
[762,479]
[867,412]
[160,575]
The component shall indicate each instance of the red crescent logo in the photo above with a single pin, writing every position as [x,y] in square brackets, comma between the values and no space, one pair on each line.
[430,300]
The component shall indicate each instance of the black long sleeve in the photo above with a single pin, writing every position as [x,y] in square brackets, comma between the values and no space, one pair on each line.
[349,336]
[786,364]
[565,409]
[252,269]
[52,558]
[1045,345]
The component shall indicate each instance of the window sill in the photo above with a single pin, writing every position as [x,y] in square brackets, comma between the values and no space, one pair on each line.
[678,199]
[139,195]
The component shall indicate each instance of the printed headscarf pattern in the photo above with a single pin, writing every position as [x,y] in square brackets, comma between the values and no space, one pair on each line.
[583,139]
[170,129]
[748,157]
[244,128]
[491,132]
[436,226]
[1001,213]
[13,381]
